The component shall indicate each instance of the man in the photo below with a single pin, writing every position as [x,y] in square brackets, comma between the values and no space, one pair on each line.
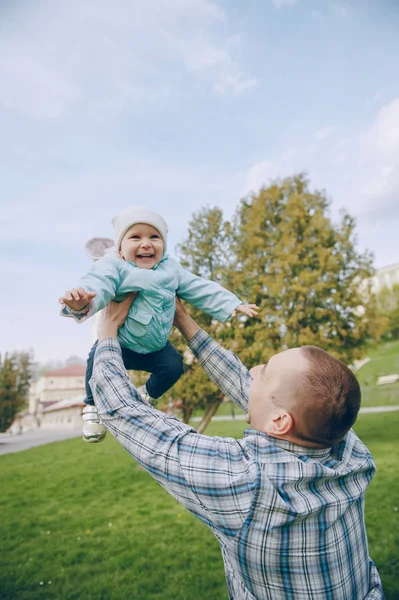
[286,502]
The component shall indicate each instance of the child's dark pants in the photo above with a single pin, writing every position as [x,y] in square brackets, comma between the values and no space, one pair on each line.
[165,366]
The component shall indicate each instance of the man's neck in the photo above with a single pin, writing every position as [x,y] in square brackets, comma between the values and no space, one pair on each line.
[305,443]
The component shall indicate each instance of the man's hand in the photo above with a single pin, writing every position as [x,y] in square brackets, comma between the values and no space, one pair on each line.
[246,309]
[77,298]
[180,313]
[114,315]
[184,323]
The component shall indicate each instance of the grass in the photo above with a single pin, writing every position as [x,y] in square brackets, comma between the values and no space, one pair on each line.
[384,361]
[86,519]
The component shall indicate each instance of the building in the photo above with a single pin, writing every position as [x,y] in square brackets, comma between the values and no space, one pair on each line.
[57,385]
[386,277]
[56,399]
[64,414]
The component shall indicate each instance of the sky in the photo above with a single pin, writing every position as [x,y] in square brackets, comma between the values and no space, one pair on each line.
[177,105]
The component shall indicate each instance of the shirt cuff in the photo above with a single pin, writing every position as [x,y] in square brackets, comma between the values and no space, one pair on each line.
[225,313]
[202,345]
[108,349]
[78,315]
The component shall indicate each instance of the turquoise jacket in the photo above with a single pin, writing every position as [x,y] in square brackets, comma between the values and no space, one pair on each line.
[150,318]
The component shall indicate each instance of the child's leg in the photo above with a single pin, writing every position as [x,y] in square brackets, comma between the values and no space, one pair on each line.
[93,430]
[166,367]
[89,372]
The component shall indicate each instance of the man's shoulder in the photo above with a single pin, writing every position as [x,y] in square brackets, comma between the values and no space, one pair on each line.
[356,452]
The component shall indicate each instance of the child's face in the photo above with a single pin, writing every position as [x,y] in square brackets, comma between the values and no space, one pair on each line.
[143,245]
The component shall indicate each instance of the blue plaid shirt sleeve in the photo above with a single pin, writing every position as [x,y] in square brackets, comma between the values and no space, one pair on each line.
[223,368]
[211,476]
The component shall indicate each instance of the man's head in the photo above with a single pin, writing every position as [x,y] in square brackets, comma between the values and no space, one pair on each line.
[140,236]
[304,395]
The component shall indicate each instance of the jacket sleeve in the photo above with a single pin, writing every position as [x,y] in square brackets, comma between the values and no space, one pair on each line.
[103,279]
[106,279]
[206,295]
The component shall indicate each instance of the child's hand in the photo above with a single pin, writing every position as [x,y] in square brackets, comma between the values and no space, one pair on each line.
[76,299]
[246,309]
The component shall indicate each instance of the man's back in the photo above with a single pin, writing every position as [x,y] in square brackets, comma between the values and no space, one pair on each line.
[304,536]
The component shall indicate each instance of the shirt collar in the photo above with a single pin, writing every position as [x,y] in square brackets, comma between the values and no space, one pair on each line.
[262,439]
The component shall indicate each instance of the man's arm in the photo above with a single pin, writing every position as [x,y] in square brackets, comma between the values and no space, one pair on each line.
[212,477]
[222,366]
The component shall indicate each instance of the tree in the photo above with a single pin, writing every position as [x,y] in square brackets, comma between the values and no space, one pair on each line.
[284,253]
[304,272]
[205,252]
[15,376]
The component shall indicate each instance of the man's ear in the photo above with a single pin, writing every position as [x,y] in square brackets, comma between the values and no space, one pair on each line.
[283,423]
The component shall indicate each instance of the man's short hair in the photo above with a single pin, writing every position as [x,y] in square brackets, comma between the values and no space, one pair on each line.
[328,399]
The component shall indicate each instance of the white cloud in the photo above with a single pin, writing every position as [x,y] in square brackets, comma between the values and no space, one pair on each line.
[339,9]
[280,3]
[324,133]
[361,171]
[384,132]
[204,57]
[318,15]
[32,88]
[77,72]
[68,210]
[380,158]
[260,173]
[96,57]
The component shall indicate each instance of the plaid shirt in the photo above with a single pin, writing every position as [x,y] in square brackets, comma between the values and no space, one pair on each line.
[289,519]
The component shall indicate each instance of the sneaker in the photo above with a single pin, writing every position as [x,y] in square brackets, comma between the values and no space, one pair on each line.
[146,396]
[93,430]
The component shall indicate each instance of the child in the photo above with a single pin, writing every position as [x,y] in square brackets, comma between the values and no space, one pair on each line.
[138,262]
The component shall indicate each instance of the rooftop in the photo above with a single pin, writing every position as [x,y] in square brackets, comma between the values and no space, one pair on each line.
[69,371]
[65,404]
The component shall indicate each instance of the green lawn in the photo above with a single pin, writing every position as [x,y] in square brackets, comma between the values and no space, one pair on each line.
[83,522]
[384,361]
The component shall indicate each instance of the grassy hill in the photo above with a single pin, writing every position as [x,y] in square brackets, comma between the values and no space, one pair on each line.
[384,361]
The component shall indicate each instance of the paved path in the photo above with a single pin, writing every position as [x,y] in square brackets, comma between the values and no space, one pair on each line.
[377,409]
[39,437]
[240,417]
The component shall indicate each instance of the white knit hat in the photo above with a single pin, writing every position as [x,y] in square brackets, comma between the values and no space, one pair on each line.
[138,214]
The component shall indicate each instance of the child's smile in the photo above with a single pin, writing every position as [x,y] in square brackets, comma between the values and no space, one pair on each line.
[143,245]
